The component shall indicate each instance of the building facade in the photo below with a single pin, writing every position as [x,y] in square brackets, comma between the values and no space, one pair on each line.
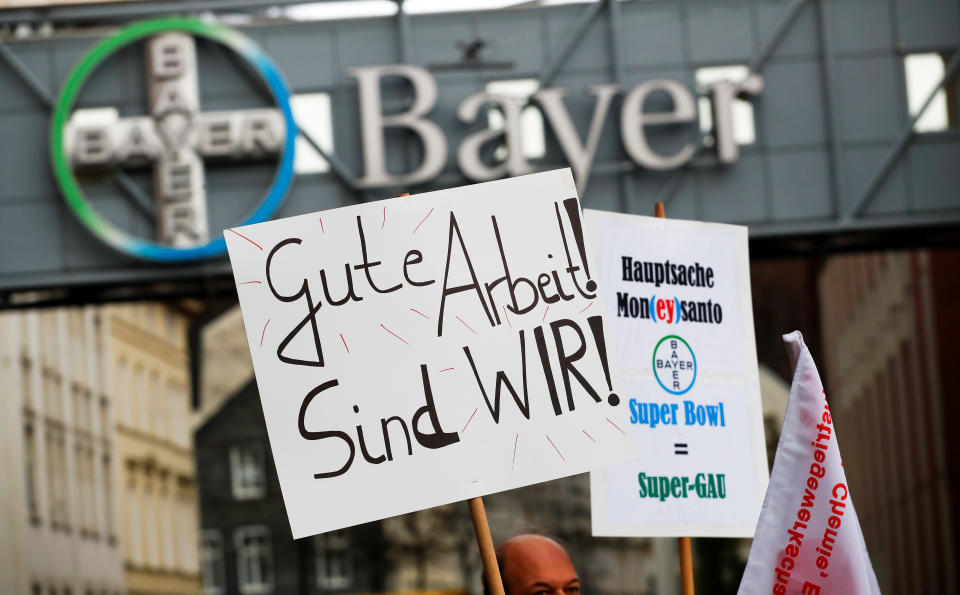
[889,324]
[246,543]
[156,471]
[59,451]
[97,452]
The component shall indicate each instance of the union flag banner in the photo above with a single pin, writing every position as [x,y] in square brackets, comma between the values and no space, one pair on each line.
[808,539]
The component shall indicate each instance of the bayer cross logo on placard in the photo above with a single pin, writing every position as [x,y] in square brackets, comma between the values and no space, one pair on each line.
[674,365]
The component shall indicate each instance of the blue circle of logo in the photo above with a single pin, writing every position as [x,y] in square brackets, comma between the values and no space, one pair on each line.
[107,231]
[677,358]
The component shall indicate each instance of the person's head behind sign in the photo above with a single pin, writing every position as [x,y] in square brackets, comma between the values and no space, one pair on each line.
[535,565]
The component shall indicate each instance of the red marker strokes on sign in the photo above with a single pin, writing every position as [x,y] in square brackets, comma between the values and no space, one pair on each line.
[264,333]
[556,449]
[246,238]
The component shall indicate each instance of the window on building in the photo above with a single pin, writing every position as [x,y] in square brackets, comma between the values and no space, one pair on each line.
[532,138]
[173,326]
[49,346]
[169,521]
[121,391]
[56,444]
[83,480]
[176,405]
[922,73]
[108,524]
[247,471]
[104,422]
[138,399]
[27,392]
[150,518]
[52,399]
[334,564]
[211,561]
[254,560]
[312,114]
[87,406]
[30,467]
[744,131]
[157,406]
[76,335]
[134,536]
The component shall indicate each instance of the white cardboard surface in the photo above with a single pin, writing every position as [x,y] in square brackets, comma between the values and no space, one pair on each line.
[384,351]
[646,333]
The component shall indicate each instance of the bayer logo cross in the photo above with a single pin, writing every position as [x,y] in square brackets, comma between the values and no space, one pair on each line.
[674,365]
[174,138]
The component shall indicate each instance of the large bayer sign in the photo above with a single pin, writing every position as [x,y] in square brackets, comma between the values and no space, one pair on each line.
[174,138]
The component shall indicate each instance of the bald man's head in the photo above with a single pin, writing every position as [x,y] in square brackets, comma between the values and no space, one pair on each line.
[536,565]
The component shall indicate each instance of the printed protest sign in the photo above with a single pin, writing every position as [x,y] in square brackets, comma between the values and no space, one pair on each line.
[676,297]
[422,350]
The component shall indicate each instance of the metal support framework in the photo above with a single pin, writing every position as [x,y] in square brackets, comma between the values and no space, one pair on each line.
[30,80]
[123,11]
[403,32]
[757,63]
[616,63]
[339,168]
[760,59]
[901,144]
[572,38]
[26,75]
[828,76]
[569,42]
[140,200]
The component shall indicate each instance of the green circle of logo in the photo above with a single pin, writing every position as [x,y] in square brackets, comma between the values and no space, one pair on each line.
[70,188]
[674,365]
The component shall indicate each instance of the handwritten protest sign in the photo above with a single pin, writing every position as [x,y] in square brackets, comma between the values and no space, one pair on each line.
[676,295]
[423,350]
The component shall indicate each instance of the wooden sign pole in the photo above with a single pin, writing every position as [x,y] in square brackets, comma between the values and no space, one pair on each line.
[484,540]
[683,544]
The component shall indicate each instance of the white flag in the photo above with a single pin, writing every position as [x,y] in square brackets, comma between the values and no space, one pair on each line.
[808,539]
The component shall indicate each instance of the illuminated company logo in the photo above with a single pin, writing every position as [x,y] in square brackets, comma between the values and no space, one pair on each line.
[674,365]
[174,139]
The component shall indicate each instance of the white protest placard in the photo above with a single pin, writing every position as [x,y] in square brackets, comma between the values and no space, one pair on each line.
[422,350]
[676,299]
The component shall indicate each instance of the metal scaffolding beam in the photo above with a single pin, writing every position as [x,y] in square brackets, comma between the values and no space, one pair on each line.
[123,11]
[906,135]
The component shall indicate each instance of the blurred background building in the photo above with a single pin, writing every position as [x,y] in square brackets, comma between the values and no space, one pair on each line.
[889,332]
[98,439]
[154,436]
[132,444]
[60,455]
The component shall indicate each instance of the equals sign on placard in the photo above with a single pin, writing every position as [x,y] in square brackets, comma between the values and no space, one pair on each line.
[680,448]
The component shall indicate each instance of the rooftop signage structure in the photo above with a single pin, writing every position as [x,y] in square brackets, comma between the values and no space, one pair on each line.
[177,136]
[579,152]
